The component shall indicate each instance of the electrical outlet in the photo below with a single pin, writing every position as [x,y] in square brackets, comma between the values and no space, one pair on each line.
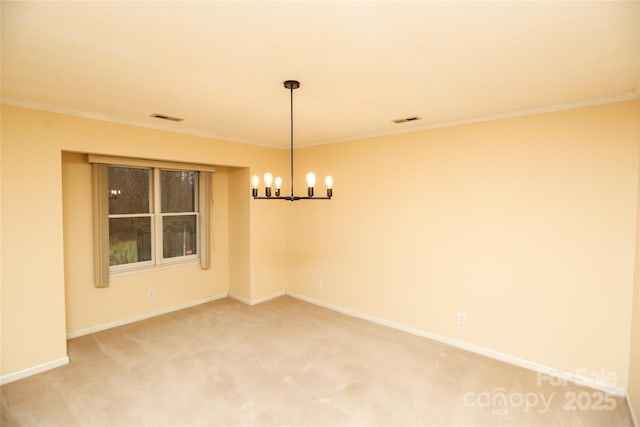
[319,284]
[462,319]
[151,293]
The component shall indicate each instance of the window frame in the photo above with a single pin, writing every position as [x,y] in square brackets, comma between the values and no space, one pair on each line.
[203,212]
[157,223]
[159,227]
[119,268]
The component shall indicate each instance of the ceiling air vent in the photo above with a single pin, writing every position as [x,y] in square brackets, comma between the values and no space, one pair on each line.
[165,117]
[407,119]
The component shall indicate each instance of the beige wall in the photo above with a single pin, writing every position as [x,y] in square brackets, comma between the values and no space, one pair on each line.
[126,296]
[268,229]
[33,323]
[239,243]
[35,274]
[634,355]
[260,237]
[527,225]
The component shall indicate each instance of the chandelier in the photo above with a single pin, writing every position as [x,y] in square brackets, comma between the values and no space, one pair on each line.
[269,181]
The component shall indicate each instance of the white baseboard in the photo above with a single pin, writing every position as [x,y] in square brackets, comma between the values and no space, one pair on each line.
[239,298]
[133,319]
[567,376]
[268,297]
[65,360]
[257,300]
[5,379]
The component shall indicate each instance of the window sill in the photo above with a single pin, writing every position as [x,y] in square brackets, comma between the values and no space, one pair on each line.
[152,268]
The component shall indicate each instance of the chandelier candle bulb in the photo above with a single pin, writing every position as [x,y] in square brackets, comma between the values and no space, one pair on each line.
[311,182]
[278,183]
[311,179]
[328,180]
[268,181]
[255,182]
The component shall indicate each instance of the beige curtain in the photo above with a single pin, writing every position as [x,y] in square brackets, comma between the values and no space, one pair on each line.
[100,183]
[206,206]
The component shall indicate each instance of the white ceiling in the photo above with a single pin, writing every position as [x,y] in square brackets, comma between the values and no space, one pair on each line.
[220,65]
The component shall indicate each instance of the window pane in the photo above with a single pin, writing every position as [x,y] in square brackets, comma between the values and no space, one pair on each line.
[129,240]
[179,236]
[128,190]
[177,190]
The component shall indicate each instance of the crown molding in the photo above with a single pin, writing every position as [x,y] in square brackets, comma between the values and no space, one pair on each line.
[119,120]
[621,97]
[591,102]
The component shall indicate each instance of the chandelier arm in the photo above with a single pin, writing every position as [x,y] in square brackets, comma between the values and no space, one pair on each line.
[292,198]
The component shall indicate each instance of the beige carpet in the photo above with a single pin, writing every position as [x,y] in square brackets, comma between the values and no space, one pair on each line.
[287,362]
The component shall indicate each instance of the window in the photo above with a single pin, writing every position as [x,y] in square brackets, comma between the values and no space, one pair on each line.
[130,217]
[149,214]
[144,217]
[179,208]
